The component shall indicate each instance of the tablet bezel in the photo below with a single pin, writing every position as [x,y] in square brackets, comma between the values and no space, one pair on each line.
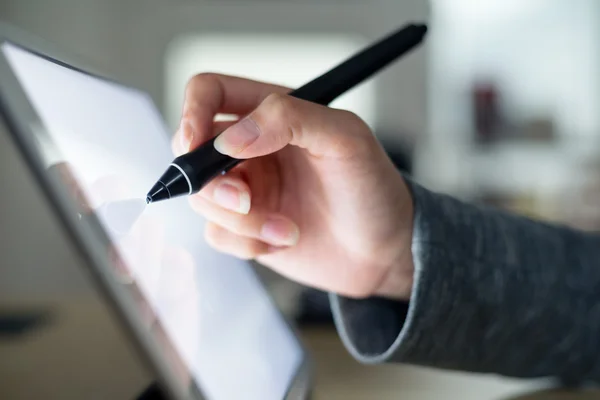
[24,126]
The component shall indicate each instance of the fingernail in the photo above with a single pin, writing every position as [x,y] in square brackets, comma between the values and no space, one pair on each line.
[227,195]
[237,137]
[280,232]
[187,135]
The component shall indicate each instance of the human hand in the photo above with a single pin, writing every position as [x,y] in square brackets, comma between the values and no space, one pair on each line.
[319,201]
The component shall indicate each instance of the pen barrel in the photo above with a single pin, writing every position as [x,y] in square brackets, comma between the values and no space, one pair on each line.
[204,164]
[326,88]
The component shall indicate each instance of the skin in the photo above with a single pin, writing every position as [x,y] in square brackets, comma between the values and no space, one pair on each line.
[318,200]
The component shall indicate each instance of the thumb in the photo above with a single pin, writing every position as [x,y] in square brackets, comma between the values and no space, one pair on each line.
[281,120]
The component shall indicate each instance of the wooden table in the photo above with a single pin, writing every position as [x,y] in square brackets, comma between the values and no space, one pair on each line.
[83,356]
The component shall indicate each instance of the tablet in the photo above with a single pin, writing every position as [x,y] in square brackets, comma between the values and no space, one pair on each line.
[202,319]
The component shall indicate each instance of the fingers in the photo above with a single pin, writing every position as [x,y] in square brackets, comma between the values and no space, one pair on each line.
[209,94]
[281,120]
[271,228]
[228,242]
[236,228]
[180,144]
[230,192]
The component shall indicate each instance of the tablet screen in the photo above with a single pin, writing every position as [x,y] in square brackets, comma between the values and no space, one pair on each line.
[212,309]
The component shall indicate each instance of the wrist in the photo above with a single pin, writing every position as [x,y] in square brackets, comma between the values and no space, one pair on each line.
[397,283]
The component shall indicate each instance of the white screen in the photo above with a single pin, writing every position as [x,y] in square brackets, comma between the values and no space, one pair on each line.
[232,339]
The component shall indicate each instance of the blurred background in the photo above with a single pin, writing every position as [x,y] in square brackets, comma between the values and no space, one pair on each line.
[501,107]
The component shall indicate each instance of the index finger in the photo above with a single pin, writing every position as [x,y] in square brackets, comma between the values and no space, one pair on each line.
[208,94]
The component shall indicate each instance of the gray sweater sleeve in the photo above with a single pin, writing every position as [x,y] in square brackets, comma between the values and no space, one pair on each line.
[493,293]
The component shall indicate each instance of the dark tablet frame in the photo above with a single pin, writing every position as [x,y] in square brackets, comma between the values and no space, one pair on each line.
[86,235]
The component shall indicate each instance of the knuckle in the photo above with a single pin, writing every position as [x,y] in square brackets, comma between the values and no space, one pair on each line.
[197,89]
[277,107]
[357,135]
[194,112]
[350,116]
[189,112]
[360,127]
[203,78]
[277,114]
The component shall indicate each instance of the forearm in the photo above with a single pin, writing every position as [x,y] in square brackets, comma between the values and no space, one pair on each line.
[492,293]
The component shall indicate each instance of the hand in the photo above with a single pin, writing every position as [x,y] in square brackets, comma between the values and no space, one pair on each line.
[319,201]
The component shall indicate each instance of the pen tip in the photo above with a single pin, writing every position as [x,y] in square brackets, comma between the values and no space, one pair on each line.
[158,192]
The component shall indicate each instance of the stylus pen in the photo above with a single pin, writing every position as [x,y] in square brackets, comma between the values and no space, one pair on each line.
[190,172]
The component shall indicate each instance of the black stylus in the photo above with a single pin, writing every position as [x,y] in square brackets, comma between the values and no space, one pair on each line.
[190,172]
